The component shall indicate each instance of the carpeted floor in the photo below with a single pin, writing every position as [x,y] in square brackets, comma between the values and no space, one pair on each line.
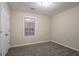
[42,49]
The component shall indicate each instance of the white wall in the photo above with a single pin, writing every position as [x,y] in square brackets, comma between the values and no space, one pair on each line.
[42,28]
[65,28]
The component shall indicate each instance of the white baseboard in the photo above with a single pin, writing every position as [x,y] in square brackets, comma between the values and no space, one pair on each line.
[66,46]
[27,44]
[43,42]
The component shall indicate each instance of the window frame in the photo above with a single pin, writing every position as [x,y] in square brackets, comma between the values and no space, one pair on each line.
[24,26]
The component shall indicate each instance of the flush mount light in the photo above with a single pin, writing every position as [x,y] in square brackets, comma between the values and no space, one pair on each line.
[44,4]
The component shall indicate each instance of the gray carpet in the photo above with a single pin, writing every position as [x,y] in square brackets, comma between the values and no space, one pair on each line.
[42,49]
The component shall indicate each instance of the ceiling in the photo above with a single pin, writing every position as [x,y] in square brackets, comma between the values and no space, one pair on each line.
[53,9]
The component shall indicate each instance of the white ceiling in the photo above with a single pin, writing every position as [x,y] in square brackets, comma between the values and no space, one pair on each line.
[55,7]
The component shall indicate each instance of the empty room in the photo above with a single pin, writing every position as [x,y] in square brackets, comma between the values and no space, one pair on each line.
[39,28]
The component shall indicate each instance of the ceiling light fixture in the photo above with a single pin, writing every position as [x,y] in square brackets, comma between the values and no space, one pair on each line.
[44,4]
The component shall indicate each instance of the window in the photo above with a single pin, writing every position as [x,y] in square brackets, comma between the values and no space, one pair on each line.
[29,26]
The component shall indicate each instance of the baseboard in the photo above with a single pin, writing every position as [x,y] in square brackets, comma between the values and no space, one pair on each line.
[44,42]
[27,44]
[66,46]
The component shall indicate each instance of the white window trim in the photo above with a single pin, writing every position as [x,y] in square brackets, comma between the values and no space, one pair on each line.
[32,36]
